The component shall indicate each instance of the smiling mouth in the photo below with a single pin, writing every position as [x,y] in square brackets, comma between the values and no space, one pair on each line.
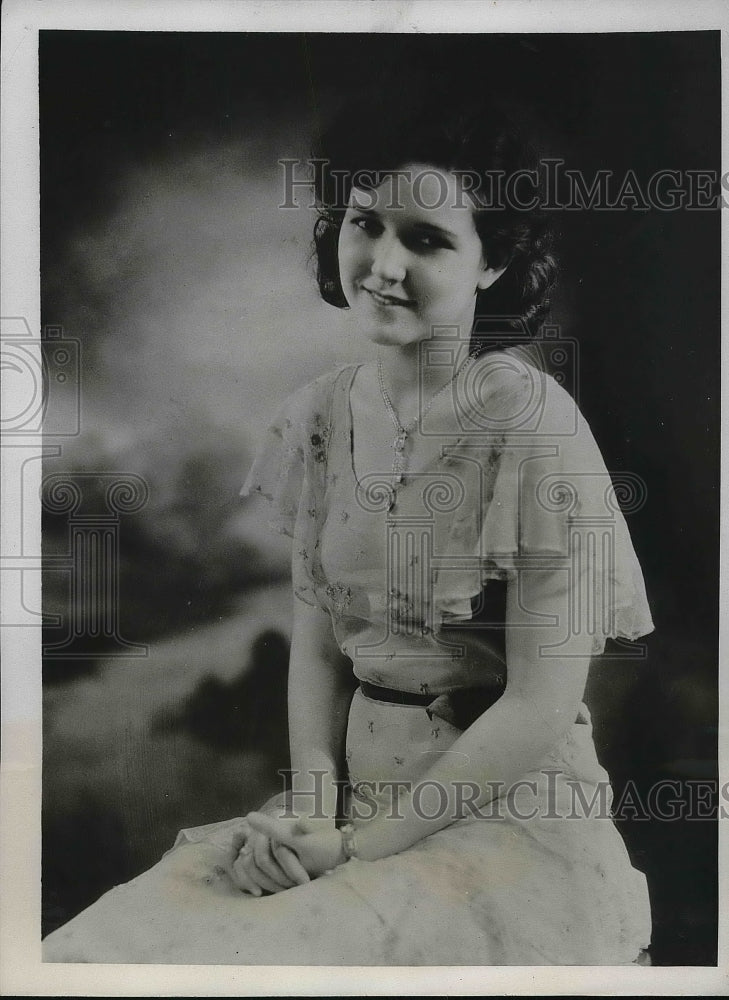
[387,300]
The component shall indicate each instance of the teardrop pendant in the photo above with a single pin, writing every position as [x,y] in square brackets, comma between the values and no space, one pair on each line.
[401,433]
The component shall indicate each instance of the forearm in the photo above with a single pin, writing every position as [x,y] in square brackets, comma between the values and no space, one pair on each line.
[502,745]
[511,738]
[320,691]
[497,749]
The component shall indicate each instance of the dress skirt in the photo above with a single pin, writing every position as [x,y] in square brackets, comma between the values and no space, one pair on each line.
[539,877]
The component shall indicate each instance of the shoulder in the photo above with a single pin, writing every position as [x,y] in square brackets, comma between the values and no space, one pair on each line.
[510,393]
[312,402]
[304,421]
[295,444]
[327,381]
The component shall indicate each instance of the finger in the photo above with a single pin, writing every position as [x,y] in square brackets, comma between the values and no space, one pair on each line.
[253,871]
[290,863]
[240,836]
[243,880]
[266,862]
[259,877]
[273,828]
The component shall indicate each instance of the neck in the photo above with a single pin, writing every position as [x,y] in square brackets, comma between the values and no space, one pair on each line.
[410,370]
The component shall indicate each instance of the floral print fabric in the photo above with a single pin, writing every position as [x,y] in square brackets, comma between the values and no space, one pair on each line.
[518,481]
[415,592]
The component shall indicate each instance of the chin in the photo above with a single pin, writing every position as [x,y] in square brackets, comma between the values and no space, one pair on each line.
[390,334]
[393,338]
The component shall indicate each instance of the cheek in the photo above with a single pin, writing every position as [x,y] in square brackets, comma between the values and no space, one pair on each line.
[449,294]
[351,256]
[451,281]
[466,277]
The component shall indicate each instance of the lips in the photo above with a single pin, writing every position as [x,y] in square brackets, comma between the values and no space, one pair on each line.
[387,300]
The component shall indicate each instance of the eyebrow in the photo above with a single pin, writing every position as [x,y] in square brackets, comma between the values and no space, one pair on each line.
[429,227]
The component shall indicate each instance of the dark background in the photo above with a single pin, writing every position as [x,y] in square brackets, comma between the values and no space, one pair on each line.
[639,293]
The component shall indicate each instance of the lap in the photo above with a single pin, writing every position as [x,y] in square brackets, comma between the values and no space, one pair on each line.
[481,892]
[515,899]
[187,910]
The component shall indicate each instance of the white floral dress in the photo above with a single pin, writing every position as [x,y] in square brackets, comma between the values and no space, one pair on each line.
[414,582]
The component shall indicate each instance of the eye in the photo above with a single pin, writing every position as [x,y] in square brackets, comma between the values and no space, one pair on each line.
[365,223]
[430,241]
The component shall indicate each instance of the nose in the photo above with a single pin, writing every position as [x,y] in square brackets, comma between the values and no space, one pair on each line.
[388,262]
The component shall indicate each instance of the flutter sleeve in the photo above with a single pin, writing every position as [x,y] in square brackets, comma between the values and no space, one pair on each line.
[289,471]
[547,500]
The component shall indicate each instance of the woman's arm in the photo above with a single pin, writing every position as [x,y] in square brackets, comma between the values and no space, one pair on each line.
[540,703]
[321,684]
[320,688]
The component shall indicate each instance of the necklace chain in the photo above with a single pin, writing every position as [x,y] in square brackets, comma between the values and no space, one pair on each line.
[402,432]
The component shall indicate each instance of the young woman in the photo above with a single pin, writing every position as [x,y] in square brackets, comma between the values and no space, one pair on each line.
[458,558]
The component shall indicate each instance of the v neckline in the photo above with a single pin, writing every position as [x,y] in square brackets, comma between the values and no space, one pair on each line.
[412,474]
[349,430]
[452,440]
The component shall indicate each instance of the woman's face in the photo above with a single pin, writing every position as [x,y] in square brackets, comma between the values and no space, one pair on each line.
[410,258]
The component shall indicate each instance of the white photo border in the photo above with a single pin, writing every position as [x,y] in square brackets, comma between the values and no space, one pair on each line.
[22,973]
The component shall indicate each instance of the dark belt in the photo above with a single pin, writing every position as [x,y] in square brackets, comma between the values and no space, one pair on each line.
[393,696]
[460,707]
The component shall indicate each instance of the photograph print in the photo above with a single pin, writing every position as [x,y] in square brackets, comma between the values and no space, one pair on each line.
[380,501]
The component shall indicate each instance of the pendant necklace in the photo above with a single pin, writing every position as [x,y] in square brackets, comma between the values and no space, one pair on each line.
[402,433]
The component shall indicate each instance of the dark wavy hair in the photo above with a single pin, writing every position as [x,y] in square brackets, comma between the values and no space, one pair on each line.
[421,120]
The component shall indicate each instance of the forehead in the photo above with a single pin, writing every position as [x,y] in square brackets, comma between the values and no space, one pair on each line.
[416,192]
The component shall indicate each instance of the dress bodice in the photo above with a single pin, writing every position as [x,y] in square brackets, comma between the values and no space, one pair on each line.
[416,592]
[382,562]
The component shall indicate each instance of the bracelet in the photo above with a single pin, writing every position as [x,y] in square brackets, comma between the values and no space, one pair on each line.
[349,841]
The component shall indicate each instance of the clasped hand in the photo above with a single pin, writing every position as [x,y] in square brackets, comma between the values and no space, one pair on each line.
[277,854]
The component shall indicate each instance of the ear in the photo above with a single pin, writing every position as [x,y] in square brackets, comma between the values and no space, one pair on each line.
[488,276]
